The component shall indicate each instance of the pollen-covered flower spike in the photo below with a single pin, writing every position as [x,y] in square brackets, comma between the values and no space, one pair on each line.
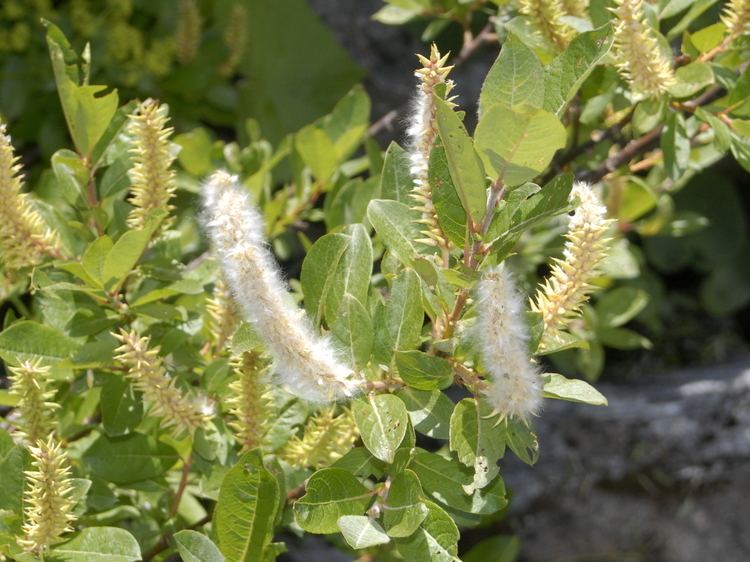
[637,51]
[567,288]
[514,387]
[250,401]
[303,361]
[188,33]
[36,411]
[24,237]
[422,133]
[152,176]
[736,17]
[545,17]
[222,316]
[162,397]
[326,439]
[48,507]
[575,8]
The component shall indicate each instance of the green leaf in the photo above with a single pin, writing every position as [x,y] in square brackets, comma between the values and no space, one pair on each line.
[360,462]
[395,181]
[94,258]
[622,338]
[133,458]
[691,79]
[196,547]
[521,440]
[517,144]
[348,122]
[422,371]
[452,484]
[500,548]
[127,252]
[353,328]
[435,541]
[14,461]
[317,151]
[87,113]
[382,421]
[515,78]
[330,494]
[573,390]
[398,324]
[97,544]
[336,265]
[675,145]
[395,224]
[430,412]
[121,409]
[404,511]
[71,173]
[26,340]
[476,440]
[277,41]
[249,499]
[464,164]
[565,75]
[448,207]
[618,306]
[195,153]
[362,532]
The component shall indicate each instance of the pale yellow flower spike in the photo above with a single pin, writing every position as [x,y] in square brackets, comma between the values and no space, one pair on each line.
[567,288]
[235,37]
[422,132]
[160,394]
[36,411]
[222,314]
[188,33]
[250,401]
[639,56]
[577,8]
[152,176]
[326,439]
[24,237]
[736,17]
[546,19]
[48,506]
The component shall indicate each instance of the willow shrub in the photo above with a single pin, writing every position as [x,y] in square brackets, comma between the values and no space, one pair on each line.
[171,393]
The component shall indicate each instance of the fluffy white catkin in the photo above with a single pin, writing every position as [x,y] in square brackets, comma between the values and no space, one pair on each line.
[304,362]
[514,387]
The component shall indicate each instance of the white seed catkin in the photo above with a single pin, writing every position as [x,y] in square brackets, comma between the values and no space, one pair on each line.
[514,387]
[305,362]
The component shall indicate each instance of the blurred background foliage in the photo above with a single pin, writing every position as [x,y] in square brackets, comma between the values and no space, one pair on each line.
[248,84]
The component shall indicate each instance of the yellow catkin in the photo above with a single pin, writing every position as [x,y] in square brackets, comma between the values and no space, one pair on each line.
[736,17]
[545,17]
[222,317]
[188,33]
[577,8]
[637,51]
[327,438]
[36,411]
[24,237]
[422,132]
[47,503]
[152,177]
[235,37]
[250,402]
[163,399]
[560,298]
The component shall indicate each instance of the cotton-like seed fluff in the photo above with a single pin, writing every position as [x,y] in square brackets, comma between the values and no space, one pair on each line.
[567,288]
[637,51]
[514,387]
[303,361]
[422,133]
